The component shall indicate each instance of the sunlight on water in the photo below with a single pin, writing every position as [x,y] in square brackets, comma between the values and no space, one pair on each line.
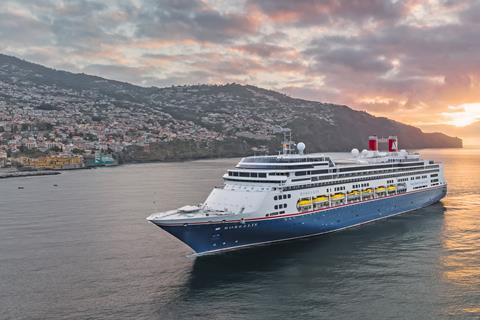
[460,258]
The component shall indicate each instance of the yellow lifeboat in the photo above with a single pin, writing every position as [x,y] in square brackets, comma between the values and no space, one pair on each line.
[391,188]
[304,202]
[320,199]
[380,189]
[354,193]
[338,196]
[367,191]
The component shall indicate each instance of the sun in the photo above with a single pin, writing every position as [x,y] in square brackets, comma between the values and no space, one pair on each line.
[468,114]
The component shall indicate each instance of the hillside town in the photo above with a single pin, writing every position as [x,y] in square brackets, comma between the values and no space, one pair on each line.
[52,119]
[88,127]
[52,123]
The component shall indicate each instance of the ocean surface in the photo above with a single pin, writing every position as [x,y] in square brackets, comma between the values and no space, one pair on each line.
[83,250]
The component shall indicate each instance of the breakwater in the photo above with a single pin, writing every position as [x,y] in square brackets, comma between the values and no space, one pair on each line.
[19,174]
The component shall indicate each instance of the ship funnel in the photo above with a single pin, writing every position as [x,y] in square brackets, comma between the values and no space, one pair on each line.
[373,143]
[392,144]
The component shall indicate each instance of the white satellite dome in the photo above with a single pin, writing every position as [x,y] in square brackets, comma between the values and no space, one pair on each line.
[355,152]
[364,152]
[300,147]
[403,153]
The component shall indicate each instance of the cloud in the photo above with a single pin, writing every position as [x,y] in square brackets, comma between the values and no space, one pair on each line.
[262,49]
[310,12]
[409,59]
[191,19]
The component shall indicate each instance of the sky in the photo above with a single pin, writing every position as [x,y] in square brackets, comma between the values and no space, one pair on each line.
[413,61]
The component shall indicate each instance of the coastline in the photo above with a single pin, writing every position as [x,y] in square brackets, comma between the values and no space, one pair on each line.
[20,174]
[4,174]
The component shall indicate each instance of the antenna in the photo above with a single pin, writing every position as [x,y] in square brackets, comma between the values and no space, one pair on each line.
[287,141]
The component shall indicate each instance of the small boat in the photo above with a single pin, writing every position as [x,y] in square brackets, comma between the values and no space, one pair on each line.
[354,193]
[367,191]
[338,196]
[380,189]
[304,202]
[391,188]
[320,199]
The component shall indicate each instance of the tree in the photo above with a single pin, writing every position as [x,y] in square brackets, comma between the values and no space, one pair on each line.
[78,151]
[56,149]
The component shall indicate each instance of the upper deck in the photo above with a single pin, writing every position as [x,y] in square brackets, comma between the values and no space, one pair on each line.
[289,168]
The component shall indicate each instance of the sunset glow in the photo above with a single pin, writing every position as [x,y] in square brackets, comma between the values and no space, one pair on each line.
[468,114]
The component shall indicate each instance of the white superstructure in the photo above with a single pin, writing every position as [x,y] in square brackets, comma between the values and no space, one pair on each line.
[291,183]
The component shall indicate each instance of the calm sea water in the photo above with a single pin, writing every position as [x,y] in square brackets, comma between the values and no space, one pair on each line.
[83,250]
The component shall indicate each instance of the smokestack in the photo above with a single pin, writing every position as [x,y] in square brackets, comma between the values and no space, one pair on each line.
[392,144]
[373,143]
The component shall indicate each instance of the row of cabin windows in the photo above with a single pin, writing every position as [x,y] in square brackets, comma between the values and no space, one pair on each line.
[282,196]
[434,180]
[419,187]
[306,173]
[328,183]
[361,185]
[378,172]
[280,206]
[418,177]
[390,181]
[303,173]
[434,175]
[339,188]
[256,166]
[282,160]
[274,213]
[346,175]
[247,174]
[402,179]
[384,166]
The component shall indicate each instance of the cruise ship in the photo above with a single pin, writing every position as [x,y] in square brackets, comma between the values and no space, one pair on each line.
[292,195]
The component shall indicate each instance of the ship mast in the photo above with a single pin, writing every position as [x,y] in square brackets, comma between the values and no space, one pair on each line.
[287,144]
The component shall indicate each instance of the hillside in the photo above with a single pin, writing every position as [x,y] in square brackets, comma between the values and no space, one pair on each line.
[183,122]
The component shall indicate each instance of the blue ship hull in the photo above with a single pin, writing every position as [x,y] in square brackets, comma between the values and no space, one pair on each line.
[216,237]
